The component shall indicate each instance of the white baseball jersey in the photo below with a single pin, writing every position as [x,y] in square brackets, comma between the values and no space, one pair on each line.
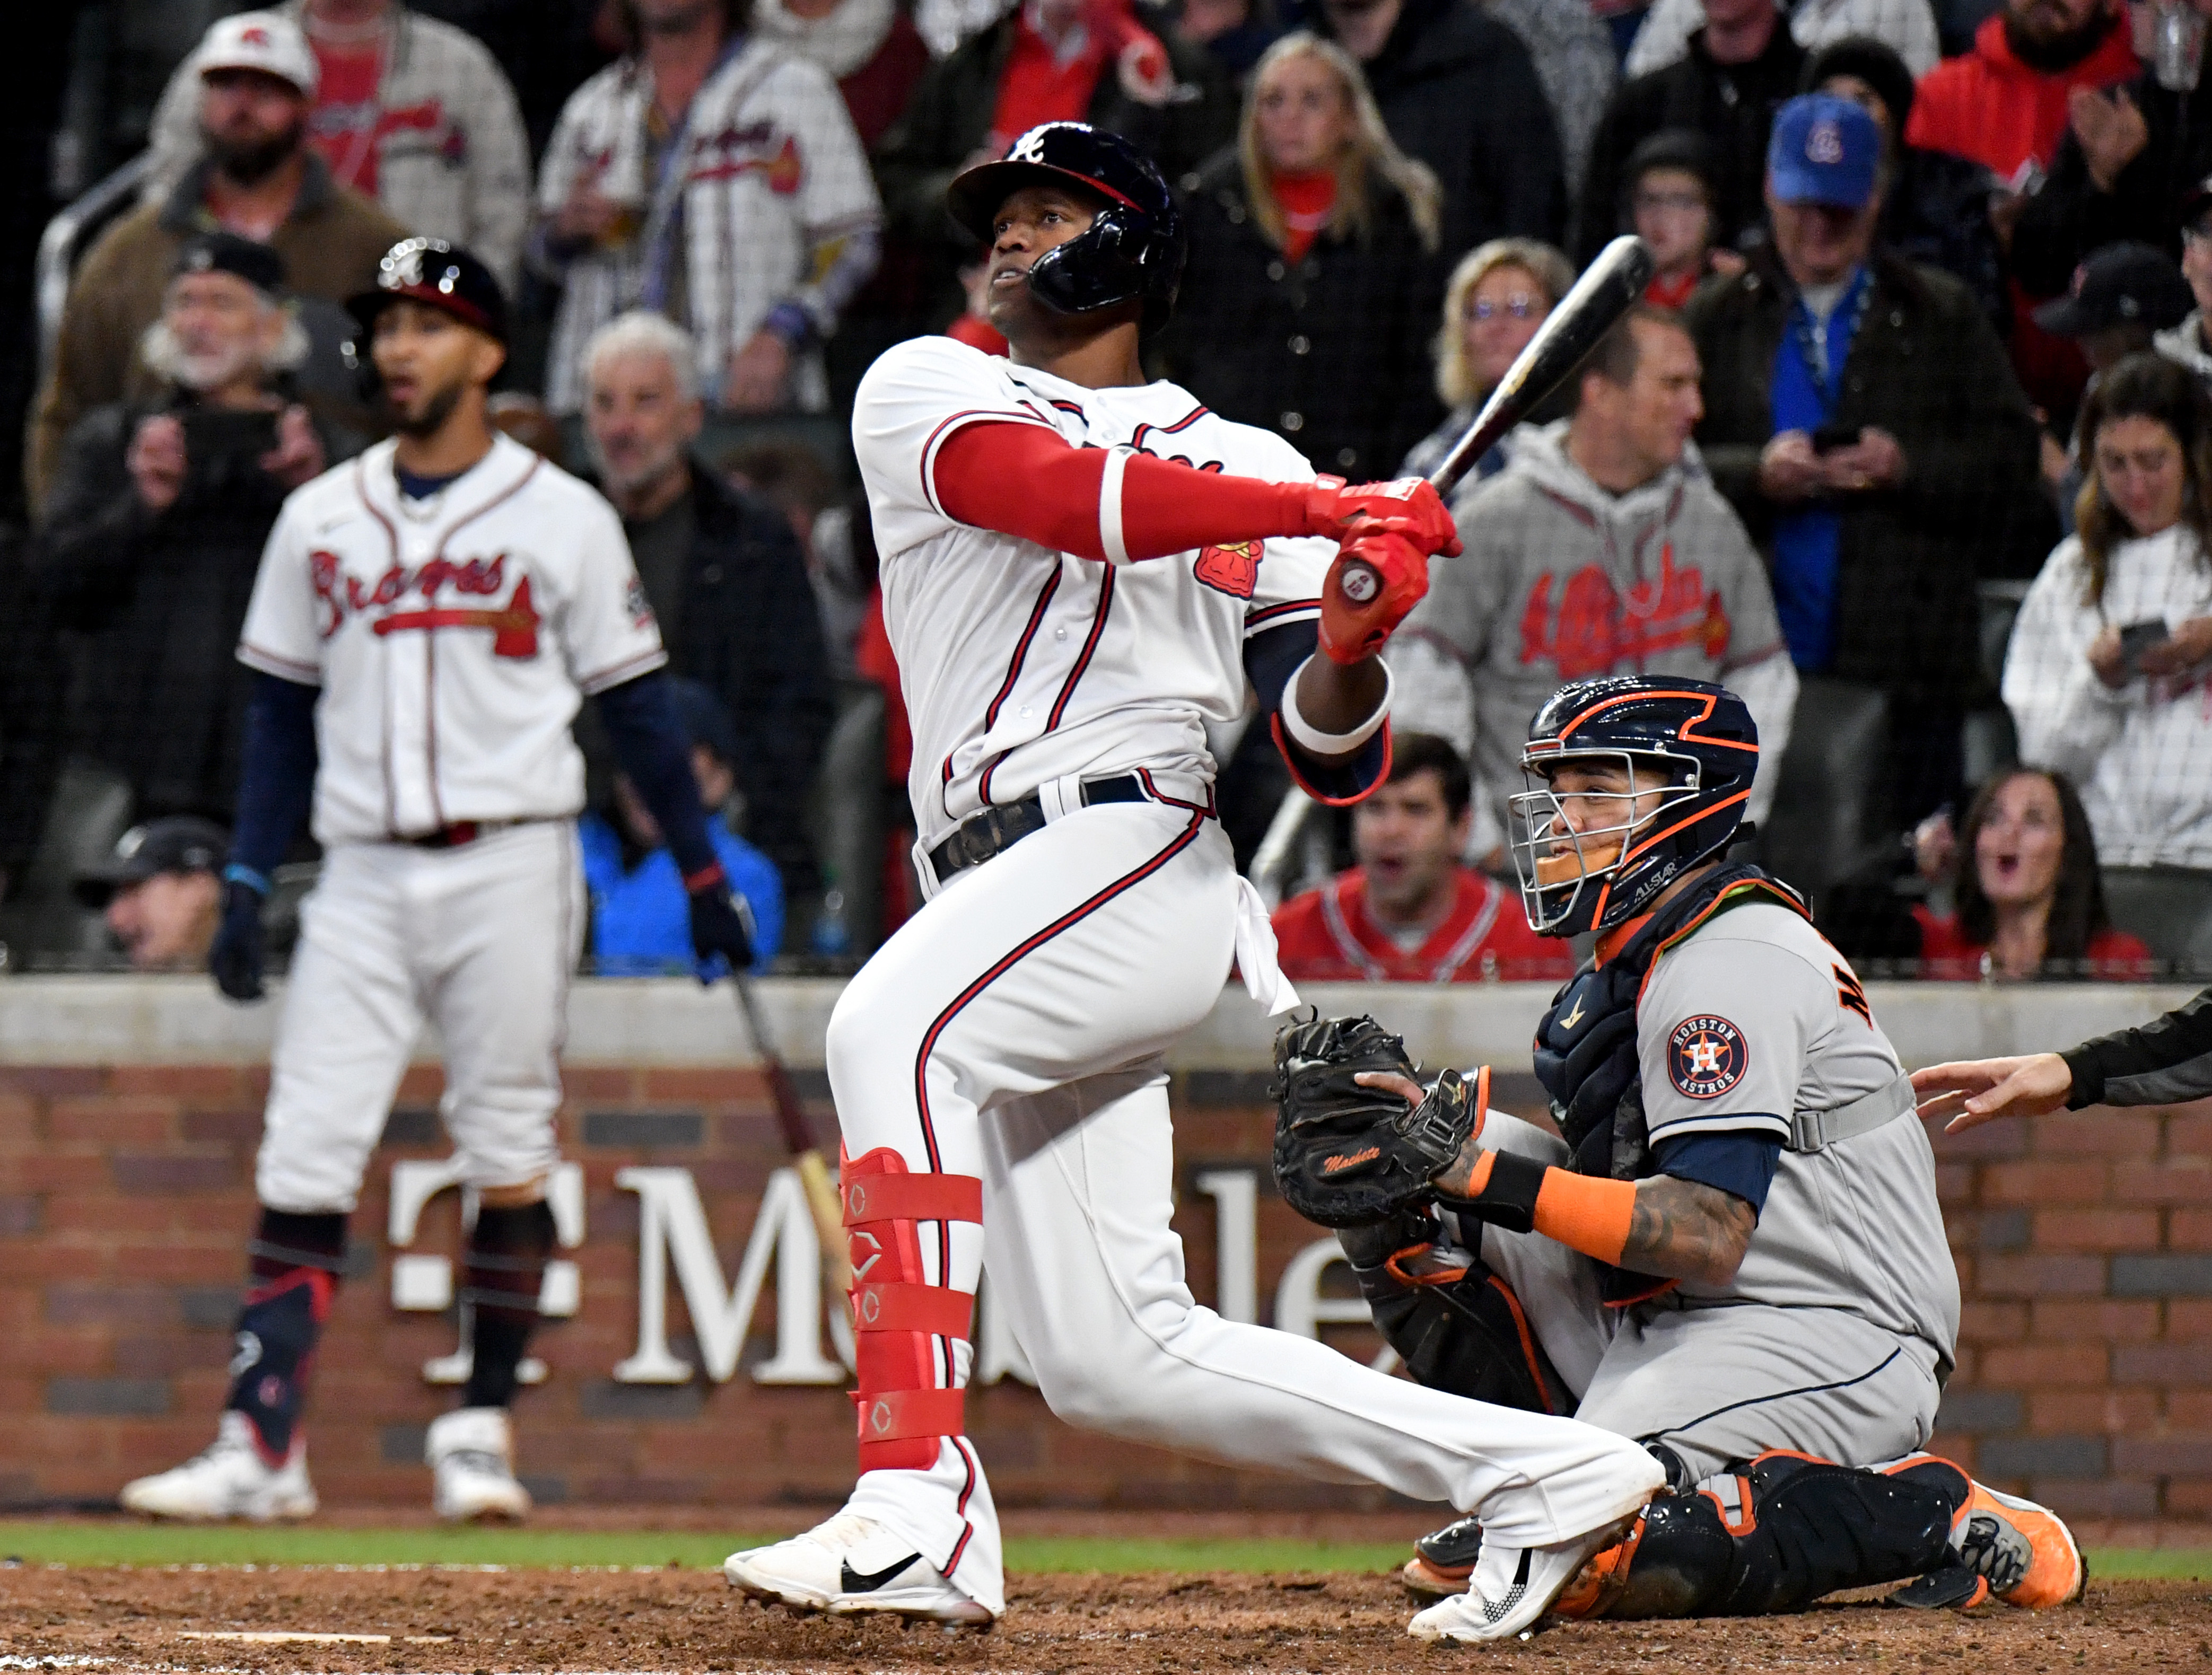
[1021,665]
[453,638]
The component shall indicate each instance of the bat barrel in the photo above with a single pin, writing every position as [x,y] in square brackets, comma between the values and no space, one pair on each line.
[1607,288]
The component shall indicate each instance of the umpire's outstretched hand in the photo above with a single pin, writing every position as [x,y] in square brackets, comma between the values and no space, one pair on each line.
[720,924]
[235,959]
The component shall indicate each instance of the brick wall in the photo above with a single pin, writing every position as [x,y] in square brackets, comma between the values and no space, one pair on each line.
[2084,1247]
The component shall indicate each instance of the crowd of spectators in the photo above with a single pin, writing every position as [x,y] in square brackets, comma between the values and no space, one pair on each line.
[1911,433]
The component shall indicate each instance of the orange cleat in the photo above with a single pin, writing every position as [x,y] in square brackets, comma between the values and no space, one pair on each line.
[2026,1551]
[1602,1579]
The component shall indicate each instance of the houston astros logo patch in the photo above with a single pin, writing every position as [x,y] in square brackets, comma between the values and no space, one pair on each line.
[1706,1056]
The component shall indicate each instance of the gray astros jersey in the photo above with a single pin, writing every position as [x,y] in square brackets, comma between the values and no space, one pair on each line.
[1755,1023]
[1836,1334]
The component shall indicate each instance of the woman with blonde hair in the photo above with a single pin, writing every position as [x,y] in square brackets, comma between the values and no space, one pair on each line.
[1499,294]
[1313,272]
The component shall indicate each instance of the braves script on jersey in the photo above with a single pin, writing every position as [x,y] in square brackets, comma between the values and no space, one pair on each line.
[1023,665]
[454,638]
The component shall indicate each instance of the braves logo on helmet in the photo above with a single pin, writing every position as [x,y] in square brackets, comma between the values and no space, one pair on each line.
[1131,252]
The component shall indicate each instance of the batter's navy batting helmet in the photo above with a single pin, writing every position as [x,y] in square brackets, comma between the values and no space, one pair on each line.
[1133,252]
[1597,870]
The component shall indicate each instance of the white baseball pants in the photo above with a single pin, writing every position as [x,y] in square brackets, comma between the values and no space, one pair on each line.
[479,939]
[1013,1029]
[1714,1384]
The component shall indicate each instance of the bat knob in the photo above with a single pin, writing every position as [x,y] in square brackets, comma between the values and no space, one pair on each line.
[1359,582]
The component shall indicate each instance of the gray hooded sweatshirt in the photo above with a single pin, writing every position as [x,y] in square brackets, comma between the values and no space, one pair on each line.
[1562,580]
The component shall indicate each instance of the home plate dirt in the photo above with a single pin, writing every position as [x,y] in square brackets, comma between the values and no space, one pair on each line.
[472,1621]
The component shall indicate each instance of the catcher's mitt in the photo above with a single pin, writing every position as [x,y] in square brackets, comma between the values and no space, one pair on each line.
[1347,1155]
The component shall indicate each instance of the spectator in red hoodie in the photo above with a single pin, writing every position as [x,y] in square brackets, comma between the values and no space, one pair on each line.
[2005,104]
[2005,101]
[1410,912]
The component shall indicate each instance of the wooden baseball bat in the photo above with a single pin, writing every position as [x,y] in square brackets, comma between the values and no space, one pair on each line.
[806,1157]
[1608,286]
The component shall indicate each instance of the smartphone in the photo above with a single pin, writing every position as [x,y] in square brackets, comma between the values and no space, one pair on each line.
[2137,638]
[1828,438]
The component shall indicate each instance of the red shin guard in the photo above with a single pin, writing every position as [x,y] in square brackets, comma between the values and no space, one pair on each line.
[904,1400]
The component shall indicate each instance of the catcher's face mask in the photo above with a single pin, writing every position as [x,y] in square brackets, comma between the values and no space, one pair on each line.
[1589,835]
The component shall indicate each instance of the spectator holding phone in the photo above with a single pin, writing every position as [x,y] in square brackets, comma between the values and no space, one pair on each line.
[1862,420]
[2029,902]
[153,531]
[2105,673]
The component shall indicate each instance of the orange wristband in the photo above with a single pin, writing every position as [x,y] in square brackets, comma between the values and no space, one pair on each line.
[1586,1213]
[1581,1211]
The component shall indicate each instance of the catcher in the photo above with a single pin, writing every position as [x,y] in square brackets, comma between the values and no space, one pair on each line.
[1732,1253]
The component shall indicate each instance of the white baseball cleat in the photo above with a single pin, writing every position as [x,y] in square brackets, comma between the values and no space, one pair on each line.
[851,1565]
[231,1479]
[1511,1589]
[470,1452]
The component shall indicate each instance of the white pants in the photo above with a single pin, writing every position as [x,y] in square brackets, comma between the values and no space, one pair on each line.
[1014,1029]
[480,939]
[1717,1383]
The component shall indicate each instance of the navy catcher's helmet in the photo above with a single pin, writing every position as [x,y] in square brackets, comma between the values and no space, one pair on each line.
[1591,860]
[1133,250]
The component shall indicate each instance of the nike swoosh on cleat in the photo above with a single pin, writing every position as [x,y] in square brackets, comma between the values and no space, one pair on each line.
[1498,1611]
[854,1581]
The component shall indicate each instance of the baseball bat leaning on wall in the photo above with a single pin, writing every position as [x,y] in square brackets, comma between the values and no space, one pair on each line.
[806,1157]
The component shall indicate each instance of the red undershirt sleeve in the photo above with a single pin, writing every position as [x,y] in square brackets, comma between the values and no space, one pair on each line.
[1025,481]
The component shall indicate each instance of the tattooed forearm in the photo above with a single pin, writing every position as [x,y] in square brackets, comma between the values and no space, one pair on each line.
[1684,1229]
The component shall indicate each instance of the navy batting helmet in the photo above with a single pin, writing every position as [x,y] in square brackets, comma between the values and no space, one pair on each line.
[1592,857]
[1131,252]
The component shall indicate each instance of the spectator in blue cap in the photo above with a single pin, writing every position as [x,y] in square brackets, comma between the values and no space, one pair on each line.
[641,916]
[1862,417]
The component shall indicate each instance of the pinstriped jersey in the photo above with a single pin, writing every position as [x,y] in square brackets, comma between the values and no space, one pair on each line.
[1021,665]
[453,638]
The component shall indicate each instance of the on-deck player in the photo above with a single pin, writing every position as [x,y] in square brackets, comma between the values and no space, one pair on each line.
[1080,569]
[425,622]
[1734,1253]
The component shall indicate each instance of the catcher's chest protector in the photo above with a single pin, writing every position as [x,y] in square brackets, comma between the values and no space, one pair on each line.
[1586,1055]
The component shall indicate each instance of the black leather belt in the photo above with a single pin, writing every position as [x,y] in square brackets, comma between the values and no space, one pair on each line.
[989,832]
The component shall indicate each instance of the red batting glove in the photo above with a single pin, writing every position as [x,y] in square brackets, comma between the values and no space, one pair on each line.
[1378,576]
[1410,507]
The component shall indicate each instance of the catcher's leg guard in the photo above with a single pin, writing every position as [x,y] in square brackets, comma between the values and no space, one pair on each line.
[1458,1328]
[1784,1530]
[1999,1545]
[904,1328]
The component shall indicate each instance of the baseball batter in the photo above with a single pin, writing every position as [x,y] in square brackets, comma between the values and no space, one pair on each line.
[426,620]
[1734,1253]
[1081,569]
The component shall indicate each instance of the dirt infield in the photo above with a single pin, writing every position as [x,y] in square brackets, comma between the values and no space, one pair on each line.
[465,1620]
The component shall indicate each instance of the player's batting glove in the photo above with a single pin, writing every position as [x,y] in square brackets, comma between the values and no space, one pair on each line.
[1409,505]
[1376,579]
[235,959]
[721,924]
